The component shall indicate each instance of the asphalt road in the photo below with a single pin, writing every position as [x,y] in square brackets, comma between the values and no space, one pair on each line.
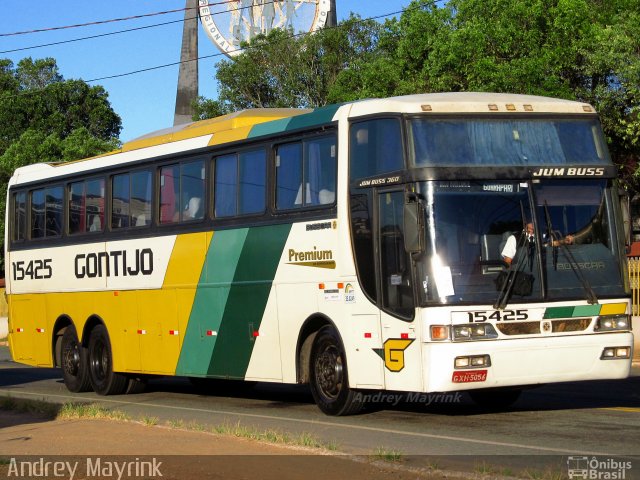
[589,419]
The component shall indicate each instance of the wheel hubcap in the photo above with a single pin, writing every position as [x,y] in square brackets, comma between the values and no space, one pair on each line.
[329,372]
[100,361]
[71,357]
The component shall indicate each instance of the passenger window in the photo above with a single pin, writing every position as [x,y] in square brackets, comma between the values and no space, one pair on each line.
[253,179]
[46,212]
[131,200]
[86,206]
[306,173]
[182,192]
[240,183]
[375,148]
[20,216]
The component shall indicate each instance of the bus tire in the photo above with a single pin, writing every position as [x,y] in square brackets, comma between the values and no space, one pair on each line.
[495,398]
[74,363]
[103,379]
[329,377]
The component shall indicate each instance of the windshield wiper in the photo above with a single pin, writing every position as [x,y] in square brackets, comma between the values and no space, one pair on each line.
[591,296]
[507,286]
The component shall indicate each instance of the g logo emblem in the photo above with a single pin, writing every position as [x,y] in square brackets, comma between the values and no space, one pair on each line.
[394,353]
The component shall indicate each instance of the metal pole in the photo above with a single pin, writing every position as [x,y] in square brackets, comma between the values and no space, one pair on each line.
[188,77]
[332,19]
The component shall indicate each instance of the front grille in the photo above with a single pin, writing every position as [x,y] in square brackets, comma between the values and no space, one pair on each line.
[571,325]
[519,328]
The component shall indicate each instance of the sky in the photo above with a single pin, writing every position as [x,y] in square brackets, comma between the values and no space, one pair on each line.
[144,101]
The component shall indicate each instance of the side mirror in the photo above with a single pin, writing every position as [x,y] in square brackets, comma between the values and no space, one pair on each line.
[413,224]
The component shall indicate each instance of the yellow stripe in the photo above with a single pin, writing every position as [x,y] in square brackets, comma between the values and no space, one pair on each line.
[623,409]
[613,309]
[126,312]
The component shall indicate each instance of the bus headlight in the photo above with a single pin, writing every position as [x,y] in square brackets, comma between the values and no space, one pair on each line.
[472,361]
[473,331]
[615,353]
[439,332]
[610,323]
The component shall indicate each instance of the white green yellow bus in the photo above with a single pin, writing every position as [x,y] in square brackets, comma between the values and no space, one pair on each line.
[355,248]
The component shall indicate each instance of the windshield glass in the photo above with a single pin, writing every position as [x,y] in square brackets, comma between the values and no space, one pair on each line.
[506,141]
[469,225]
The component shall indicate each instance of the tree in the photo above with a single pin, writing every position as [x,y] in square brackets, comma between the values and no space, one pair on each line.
[44,118]
[286,70]
[586,50]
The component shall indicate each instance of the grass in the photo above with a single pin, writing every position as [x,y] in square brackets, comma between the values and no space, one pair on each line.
[74,411]
[90,410]
[149,421]
[386,455]
[279,437]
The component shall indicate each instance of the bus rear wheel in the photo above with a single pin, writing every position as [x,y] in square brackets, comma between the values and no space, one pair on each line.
[73,361]
[103,379]
[329,377]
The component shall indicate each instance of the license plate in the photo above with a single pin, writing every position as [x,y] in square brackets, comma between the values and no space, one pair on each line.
[469,376]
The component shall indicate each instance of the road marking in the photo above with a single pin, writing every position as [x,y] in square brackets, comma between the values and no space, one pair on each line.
[316,423]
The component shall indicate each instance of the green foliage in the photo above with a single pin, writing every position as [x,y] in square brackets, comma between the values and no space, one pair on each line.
[44,118]
[284,70]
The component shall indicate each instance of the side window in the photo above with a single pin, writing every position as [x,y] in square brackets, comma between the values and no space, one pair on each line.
[192,190]
[46,212]
[86,206]
[375,148]
[140,199]
[131,200]
[182,192]
[226,187]
[120,191]
[240,183]
[19,216]
[253,181]
[306,173]
[169,194]
[37,214]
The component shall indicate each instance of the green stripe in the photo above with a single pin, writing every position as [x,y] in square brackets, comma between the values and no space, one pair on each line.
[211,297]
[558,312]
[247,300]
[320,116]
[586,310]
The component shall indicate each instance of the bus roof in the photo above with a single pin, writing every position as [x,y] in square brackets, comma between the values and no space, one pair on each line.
[254,123]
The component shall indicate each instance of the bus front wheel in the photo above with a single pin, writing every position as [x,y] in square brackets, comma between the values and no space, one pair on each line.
[73,361]
[103,379]
[329,377]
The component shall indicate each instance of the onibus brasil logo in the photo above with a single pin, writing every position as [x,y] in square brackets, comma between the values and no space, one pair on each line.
[584,467]
[240,21]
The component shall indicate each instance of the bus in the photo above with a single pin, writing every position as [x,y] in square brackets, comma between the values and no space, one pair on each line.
[356,248]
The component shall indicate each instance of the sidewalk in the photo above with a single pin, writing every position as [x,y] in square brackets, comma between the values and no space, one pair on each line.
[177,454]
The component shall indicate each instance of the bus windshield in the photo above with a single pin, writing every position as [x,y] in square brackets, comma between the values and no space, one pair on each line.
[469,223]
[506,141]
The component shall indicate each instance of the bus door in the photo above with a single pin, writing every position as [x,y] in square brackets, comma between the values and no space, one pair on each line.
[401,352]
